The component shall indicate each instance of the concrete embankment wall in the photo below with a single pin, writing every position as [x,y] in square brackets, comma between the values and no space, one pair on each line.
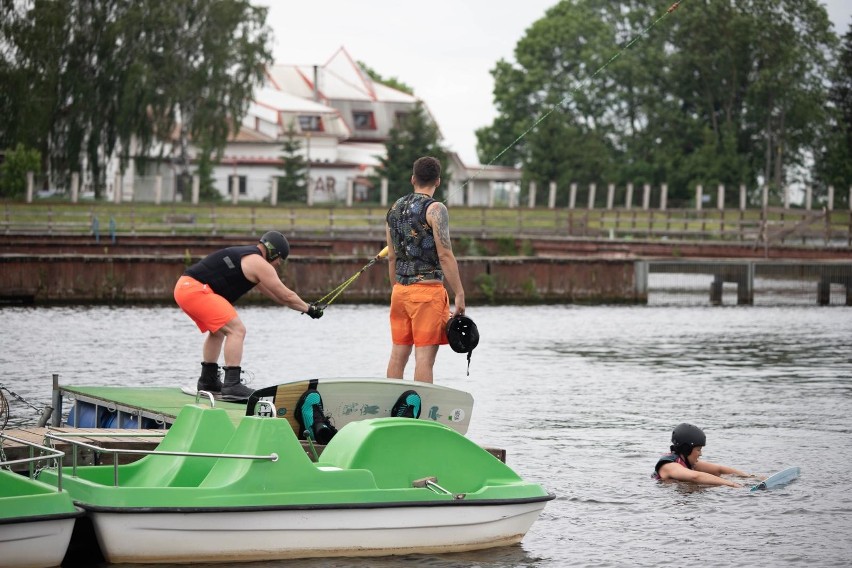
[81,278]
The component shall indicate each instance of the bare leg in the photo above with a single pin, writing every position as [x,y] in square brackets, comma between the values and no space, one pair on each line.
[233,335]
[213,346]
[398,359]
[424,360]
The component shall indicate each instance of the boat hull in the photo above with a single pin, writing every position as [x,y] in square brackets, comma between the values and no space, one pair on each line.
[241,536]
[34,543]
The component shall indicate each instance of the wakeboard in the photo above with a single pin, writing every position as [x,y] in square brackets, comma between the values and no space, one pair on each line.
[779,479]
[349,399]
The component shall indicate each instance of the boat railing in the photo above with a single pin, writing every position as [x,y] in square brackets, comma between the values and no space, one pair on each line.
[66,438]
[47,454]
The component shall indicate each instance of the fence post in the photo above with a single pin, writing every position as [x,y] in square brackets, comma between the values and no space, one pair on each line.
[664,196]
[196,189]
[350,192]
[572,196]
[720,197]
[742,197]
[235,189]
[75,186]
[383,197]
[808,197]
[592,189]
[116,189]
[628,197]
[531,196]
[30,185]
[273,191]
[610,195]
[699,196]
[158,189]
[646,196]
[831,198]
[551,196]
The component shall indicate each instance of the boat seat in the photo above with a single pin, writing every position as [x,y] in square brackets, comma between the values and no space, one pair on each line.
[400,450]
[196,429]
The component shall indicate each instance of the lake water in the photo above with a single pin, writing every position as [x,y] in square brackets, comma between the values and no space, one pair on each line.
[582,398]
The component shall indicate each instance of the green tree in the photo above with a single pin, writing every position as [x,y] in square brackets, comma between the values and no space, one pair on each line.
[834,160]
[292,186]
[13,170]
[717,92]
[415,136]
[114,78]
[390,81]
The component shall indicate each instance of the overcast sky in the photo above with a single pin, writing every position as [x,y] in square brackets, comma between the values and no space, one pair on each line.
[443,49]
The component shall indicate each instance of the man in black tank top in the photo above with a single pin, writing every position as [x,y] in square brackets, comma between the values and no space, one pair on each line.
[207,291]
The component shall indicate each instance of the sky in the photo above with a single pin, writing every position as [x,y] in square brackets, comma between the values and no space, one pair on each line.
[443,49]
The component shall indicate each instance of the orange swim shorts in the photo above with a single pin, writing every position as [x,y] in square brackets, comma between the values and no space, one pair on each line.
[208,310]
[419,314]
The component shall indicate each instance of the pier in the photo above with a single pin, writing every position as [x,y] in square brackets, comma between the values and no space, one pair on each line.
[755,276]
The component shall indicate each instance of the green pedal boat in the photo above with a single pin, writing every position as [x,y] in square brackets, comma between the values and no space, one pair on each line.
[36,519]
[215,492]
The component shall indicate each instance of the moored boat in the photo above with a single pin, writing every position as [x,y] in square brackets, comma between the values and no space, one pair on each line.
[36,519]
[215,492]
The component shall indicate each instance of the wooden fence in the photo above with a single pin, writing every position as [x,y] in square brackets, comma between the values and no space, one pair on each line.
[767,226]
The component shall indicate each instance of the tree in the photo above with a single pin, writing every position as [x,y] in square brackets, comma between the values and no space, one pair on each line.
[415,136]
[293,185]
[718,92]
[834,159]
[88,81]
[13,170]
[390,82]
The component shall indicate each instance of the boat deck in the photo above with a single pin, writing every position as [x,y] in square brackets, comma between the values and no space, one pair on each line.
[158,404]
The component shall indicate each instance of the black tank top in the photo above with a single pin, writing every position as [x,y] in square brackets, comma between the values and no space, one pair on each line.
[223,272]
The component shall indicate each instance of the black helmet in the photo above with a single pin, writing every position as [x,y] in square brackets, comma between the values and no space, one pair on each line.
[462,336]
[276,245]
[685,437]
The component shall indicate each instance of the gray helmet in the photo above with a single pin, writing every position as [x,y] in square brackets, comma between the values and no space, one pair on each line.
[276,245]
[685,437]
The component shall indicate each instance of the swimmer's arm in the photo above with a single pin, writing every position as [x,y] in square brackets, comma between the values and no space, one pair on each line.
[677,472]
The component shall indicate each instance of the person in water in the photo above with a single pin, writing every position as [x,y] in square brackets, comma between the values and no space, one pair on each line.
[207,291]
[684,463]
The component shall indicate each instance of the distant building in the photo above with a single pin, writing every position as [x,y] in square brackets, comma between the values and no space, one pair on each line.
[341,119]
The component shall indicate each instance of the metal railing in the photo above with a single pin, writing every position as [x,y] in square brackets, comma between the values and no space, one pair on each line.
[51,453]
[66,438]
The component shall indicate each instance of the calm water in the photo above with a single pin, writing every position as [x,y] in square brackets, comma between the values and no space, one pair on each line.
[583,399]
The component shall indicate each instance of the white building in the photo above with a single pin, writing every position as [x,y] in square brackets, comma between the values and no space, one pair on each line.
[341,118]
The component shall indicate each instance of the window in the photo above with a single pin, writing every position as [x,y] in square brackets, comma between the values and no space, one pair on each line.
[364,120]
[241,184]
[310,123]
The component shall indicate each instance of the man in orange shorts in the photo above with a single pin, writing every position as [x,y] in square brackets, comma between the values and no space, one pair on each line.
[207,291]
[420,260]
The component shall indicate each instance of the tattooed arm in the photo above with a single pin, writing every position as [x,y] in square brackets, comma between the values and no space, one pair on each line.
[439,219]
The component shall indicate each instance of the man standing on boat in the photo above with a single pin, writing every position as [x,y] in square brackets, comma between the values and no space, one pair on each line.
[420,260]
[207,291]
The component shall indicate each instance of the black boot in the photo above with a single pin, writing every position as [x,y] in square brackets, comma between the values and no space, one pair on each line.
[232,388]
[209,380]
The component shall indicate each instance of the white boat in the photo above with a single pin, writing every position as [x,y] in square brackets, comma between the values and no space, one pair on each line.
[36,519]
